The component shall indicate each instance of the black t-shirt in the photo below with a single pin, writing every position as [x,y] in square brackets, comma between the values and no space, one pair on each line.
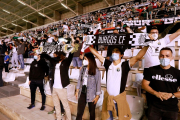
[163,80]
[125,70]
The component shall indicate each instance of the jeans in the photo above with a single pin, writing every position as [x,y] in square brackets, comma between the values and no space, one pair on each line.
[1,81]
[6,67]
[77,62]
[110,112]
[159,114]
[14,60]
[82,105]
[21,60]
[33,87]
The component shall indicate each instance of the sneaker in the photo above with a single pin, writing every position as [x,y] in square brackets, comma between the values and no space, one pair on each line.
[43,107]
[51,112]
[31,106]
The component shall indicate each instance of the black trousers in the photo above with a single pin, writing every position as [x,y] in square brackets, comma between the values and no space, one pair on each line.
[61,105]
[33,86]
[6,67]
[1,81]
[159,114]
[82,105]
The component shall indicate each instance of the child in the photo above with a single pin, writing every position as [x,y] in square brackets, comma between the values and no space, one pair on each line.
[6,61]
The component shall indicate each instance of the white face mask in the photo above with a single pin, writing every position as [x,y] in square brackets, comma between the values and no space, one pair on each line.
[165,61]
[155,36]
[85,62]
[115,56]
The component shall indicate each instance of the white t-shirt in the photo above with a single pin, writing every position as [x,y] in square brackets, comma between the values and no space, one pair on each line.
[151,57]
[65,28]
[50,39]
[114,79]
[57,77]
[85,77]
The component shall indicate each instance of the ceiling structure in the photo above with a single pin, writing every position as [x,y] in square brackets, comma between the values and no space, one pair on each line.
[20,12]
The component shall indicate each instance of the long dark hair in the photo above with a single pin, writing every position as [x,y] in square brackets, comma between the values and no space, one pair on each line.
[92,63]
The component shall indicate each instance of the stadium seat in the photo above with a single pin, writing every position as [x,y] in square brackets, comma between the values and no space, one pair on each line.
[10,77]
[26,84]
[128,52]
[129,80]
[74,74]
[47,88]
[27,68]
[136,105]
[103,80]
[104,53]
[138,79]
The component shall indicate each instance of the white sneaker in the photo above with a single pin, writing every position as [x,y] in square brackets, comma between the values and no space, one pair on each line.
[13,69]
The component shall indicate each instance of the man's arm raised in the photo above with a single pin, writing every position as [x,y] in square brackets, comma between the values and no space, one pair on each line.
[136,58]
[94,52]
[174,35]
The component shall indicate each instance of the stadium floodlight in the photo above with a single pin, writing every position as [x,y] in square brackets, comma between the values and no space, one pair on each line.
[14,24]
[64,5]
[4,28]
[24,20]
[6,11]
[41,14]
[21,2]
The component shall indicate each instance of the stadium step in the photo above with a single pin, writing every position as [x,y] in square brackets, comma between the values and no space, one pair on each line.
[15,83]
[21,79]
[9,90]
[15,108]
[2,95]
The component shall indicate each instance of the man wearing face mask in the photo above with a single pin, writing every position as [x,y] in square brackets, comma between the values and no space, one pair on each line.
[116,72]
[38,70]
[151,56]
[162,82]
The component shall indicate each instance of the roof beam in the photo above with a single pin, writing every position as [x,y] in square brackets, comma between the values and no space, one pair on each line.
[3,33]
[42,14]
[67,7]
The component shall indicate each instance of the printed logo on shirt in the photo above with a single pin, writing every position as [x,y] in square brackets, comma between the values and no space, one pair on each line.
[167,78]
[35,65]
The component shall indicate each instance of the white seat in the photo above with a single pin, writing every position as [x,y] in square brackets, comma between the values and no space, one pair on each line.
[70,91]
[100,52]
[27,68]
[74,74]
[47,88]
[104,53]
[4,74]
[26,84]
[103,80]
[100,101]
[128,52]
[129,80]
[99,64]
[29,60]
[136,51]
[136,105]
[138,80]
[10,77]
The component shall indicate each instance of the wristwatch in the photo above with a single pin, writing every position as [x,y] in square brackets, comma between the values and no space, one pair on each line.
[173,96]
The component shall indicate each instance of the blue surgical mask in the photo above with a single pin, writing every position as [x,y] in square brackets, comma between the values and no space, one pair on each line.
[165,61]
[115,56]
[35,57]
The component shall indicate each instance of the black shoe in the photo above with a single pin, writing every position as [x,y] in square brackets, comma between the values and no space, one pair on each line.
[31,106]
[42,107]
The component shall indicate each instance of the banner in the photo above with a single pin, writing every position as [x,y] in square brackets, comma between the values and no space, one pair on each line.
[127,40]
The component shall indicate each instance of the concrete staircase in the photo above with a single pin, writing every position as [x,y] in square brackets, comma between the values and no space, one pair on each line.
[12,88]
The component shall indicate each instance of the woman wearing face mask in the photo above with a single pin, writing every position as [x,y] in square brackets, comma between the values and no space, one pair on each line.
[88,87]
